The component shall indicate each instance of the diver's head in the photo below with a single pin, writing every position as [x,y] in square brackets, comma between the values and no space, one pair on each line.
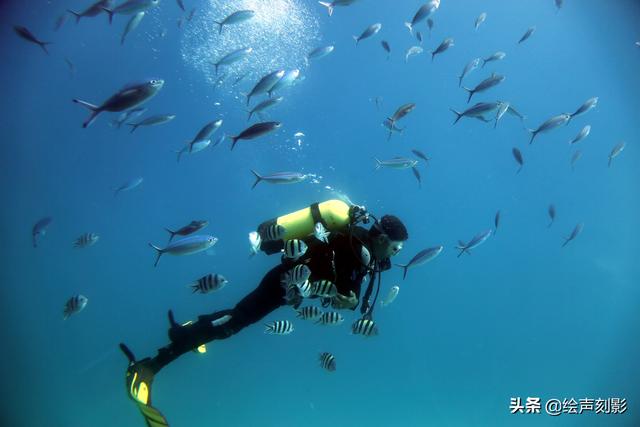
[387,237]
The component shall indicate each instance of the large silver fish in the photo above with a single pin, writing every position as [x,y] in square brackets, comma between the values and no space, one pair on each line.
[40,229]
[279,178]
[320,52]
[190,228]
[425,11]
[396,163]
[370,31]
[264,105]
[185,246]
[446,44]
[24,33]
[474,243]
[231,57]
[128,97]
[157,119]
[129,185]
[94,10]
[471,65]
[420,258]
[235,18]
[491,81]
[335,3]
[131,7]
[477,111]
[255,131]
[265,84]
[552,123]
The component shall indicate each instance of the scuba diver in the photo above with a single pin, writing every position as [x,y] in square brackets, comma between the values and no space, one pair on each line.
[345,255]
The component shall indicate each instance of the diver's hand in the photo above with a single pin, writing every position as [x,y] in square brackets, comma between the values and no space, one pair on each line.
[341,301]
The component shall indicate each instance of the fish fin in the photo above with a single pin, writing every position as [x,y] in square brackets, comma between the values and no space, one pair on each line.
[110,13]
[172,233]
[484,61]
[268,329]
[219,24]
[133,126]
[43,45]
[250,114]
[258,178]
[328,5]
[234,140]
[533,134]
[433,55]
[194,287]
[179,154]
[95,110]
[356,39]
[459,81]
[458,115]
[378,163]
[519,169]
[409,26]
[404,268]
[159,254]
[609,162]
[470,93]
[566,240]
[76,14]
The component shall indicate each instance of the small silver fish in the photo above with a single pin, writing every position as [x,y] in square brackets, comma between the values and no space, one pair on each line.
[131,25]
[503,107]
[364,327]
[255,131]
[365,255]
[517,154]
[446,44]
[235,18]
[552,214]
[294,249]
[40,229]
[477,111]
[576,231]
[129,185]
[498,56]
[396,163]
[471,65]
[416,173]
[552,123]
[474,243]
[335,3]
[279,327]
[209,283]
[185,246]
[74,305]
[527,34]
[158,119]
[615,152]
[370,31]
[320,52]
[327,361]
[279,178]
[391,296]
[588,105]
[480,20]
[232,57]
[320,233]
[85,240]
[412,51]
[420,258]
[584,132]
[576,156]
[265,84]
[27,35]
[491,81]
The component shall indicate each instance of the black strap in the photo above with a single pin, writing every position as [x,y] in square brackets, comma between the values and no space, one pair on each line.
[316,215]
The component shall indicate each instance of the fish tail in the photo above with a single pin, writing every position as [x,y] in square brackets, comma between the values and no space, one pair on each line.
[484,61]
[566,240]
[329,7]
[95,110]
[459,81]
[133,126]
[471,92]
[409,26]
[159,254]
[268,329]
[433,55]
[356,39]
[609,163]
[179,154]
[219,24]
[250,114]
[43,45]
[519,169]
[76,14]
[234,140]
[172,233]
[110,13]
[533,135]
[258,178]
[378,163]
[458,115]
[194,287]
[405,268]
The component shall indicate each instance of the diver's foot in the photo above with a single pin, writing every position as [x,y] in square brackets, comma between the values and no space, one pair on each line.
[139,377]
[177,332]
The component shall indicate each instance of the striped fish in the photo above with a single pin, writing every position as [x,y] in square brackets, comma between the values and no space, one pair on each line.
[364,327]
[209,283]
[328,361]
[331,318]
[274,232]
[297,275]
[294,249]
[86,240]
[279,327]
[305,289]
[75,304]
[324,288]
[309,313]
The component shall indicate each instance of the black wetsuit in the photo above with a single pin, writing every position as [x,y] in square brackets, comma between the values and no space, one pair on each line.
[336,261]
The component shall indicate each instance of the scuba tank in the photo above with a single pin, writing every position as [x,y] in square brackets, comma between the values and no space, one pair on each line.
[334,215]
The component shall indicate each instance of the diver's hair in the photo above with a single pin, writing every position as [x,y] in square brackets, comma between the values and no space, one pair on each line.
[391,226]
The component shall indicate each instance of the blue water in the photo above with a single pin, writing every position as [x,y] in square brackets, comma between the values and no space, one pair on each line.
[519,317]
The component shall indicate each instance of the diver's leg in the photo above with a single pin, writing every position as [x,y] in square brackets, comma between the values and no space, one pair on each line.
[268,296]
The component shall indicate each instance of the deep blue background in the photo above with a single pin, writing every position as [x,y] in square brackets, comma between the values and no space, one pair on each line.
[520,317]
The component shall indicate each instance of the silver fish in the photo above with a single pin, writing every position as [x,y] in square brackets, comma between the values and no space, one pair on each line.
[477,111]
[128,115]
[615,151]
[193,147]
[584,132]
[158,119]
[132,25]
[294,249]
[420,258]
[128,97]
[559,4]
[396,163]
[279,327]
[235,18]
[289,79]
[231,57]
[552,214]
[576,231]
[320,233]
[209,283]
[185,246]
[40,229]
[422,13]
[419,36]
[446,44]
[576,156]
[309,313]
[320,52]
[421,155]
[552,123]
[297,275]
[527,34]
[402,111]
[364,327]
[191,13]
[480,20]
[430,26]
[498,56]
[131,7]
[181,5]
[471,65]
[74,305]
[416,173]
[386,47]
[327,361]
[264,105]
[205,133]
[192,227]
[129,185]
[474,243]
[503,107]
[265,84]
[279,178]
[85,240]
[518,156]
[254,241]
[335,3]
[60,22]
[332,318]
[27,35]
[588,105]
[391,296]
[255,131]
[491,81]
[496,222]
[370,31]
[94,10]
[412,51]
